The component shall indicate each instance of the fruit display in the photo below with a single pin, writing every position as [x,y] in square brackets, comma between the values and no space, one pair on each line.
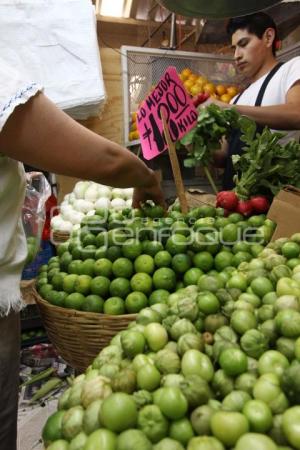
[122,262]
[196,84]
[84,200]
[133,131]
[212,364]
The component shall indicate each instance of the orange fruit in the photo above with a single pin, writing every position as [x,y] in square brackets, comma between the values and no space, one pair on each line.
[188,84]
[220,89]
[185,73]
[196,89]
[133,116]
[193,77]
[209,88]
[135,135]
[133,127]
[225,98]
[232,91]
[202,80]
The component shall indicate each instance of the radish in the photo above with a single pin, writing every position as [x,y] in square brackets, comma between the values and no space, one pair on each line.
[260,204]
[200,98]
[244,207]
[227,200]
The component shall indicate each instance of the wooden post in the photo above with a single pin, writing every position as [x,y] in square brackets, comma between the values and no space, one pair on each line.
[175,168]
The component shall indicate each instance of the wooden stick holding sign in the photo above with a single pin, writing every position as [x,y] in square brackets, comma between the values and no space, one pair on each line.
[175,168]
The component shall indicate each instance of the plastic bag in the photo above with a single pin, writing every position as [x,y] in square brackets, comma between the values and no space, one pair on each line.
[33,212]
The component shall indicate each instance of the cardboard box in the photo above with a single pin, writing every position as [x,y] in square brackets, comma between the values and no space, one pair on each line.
[197,197]
[285,211]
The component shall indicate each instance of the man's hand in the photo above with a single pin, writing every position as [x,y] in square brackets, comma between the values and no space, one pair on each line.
[214,101]
[152,192]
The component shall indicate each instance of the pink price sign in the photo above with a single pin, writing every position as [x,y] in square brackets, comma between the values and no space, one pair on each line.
[168,98]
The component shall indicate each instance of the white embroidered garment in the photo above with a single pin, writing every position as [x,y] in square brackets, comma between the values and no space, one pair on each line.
[14,90]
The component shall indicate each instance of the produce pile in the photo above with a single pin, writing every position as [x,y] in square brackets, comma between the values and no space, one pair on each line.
[120,263]
[214,365]
[85,198]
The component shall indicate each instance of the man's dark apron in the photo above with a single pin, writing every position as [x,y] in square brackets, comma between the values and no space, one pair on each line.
[234,143]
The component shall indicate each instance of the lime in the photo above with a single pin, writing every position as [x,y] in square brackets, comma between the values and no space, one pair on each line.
[229,234]
[238,281]
[75,266]
[116,236]
[57,281]
[192,276]
[141,282]
[122,267]
[74,300]
[132,248]
[89,239]
[103,266]
[240,257]
[57,298]
[164,278]
[223,259]
[76,252]
[163,259]
[113,253]
[235,217]
[152,247]
[198,242]
[119,287]
[240,246]
[114,306]
[208,303]
[135,301]
[69,283]
[82,284]
[256,221]
[87,267]
[100,286]
[101,252]
[62,248]
[53,271]
[102,239]
[290,249]
[204,224]
[180,227]
[145,263]
[181,262]
[159,296]
[43,268]
[177,243]
[213,244]
[93,303]
[221,222]
[207,211]
[41,281]
[88,252]
[65,260]
[52,430]
[203,261]
[179,285]
[291,263]
[43,290]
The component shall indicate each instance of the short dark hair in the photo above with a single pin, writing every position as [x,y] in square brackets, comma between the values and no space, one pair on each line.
[256,23]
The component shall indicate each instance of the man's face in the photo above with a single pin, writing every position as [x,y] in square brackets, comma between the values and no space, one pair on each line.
[249,52]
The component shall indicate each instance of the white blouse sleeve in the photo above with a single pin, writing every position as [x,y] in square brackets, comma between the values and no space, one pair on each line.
[14,91]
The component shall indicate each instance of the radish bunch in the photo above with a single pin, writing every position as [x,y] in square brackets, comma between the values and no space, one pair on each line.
[231,203]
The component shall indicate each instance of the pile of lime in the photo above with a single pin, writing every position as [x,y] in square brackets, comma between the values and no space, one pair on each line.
[121,262]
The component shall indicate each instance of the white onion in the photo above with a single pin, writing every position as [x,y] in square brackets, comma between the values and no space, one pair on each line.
[117,193]
[76,217]
[118,203]
[80,188]
[65,209]
[102,202]
[83,205]
[56,222]
[91,193]
[128,203]
[76,227]
[66,226]
[104,191]
[91,212]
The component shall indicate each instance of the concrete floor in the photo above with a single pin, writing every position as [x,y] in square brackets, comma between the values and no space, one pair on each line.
[30,425]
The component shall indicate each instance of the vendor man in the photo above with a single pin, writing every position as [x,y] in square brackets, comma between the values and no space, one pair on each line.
[273,96]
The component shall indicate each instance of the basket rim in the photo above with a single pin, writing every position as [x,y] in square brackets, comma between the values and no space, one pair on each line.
[75,312]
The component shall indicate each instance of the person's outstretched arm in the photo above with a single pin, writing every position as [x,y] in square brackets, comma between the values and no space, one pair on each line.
[41,135]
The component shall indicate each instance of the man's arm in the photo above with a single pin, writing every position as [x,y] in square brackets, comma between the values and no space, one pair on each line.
[278,117]
[41,135]
[281,117]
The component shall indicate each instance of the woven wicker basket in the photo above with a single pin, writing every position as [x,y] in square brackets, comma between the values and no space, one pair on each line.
[58,237]
[77,335]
